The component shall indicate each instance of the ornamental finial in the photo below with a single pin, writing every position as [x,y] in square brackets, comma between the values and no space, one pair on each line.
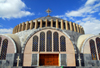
[48,11]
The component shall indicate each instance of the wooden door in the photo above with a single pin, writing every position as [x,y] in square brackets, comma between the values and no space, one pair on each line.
[49,59]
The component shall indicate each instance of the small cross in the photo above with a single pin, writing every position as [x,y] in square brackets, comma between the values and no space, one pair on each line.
[17,61]
[48,11]
[79,60]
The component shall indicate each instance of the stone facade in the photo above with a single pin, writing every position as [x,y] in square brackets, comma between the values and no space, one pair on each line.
[76,55]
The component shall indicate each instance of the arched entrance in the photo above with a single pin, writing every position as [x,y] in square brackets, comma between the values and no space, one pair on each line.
[49,47]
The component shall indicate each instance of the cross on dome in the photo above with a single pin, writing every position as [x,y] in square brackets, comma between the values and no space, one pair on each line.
[48,11]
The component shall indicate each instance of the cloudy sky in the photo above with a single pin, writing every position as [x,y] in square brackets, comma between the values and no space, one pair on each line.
[84,12]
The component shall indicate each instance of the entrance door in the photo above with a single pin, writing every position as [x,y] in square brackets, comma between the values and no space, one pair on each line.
[49,60]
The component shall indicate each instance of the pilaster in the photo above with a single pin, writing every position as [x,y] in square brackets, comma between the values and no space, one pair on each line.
[56,23]
[51,22]
[41,23]
[62,25]
[70,23]
[66,23]
[74,27]
[31,24]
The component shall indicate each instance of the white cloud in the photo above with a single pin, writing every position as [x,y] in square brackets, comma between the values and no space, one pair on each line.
[91,25]
[5,31]
[88,8]
[99,14]
[90,2]
[13,9]
[84,16]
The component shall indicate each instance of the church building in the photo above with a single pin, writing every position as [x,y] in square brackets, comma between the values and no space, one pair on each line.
[49,42]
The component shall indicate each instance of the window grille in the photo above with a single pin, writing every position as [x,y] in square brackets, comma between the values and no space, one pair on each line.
[93,50]
[98,46]
[56,41]
[4,49]
[62,43]
[49,41]
[35,43]
[42,41]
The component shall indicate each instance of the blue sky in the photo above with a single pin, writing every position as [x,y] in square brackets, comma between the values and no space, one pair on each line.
[84,12]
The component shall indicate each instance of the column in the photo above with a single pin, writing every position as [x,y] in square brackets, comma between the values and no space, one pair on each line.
[23,26]
[74,27]
[36,24]
[62,25]
[41,23]
[77,28]
[27,25]
[20,25]
[70,23]
[51,22]
[46,21]
[66,23]
[17,28]
[56,23]
[31,24]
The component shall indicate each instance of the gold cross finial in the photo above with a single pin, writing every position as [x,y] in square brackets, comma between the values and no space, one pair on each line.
[48,11]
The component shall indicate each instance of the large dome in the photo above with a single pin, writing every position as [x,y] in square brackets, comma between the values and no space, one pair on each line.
[48,21]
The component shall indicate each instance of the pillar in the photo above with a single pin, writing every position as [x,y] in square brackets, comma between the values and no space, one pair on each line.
[23,26]
[56,23]
[41,23]
[77,28]
[17,28]
[66,23]
[20,25]
[70,23]
[27,25]
[46,21]
[51,22]
[62,25]
[31,24]
[74,26]
[36,24]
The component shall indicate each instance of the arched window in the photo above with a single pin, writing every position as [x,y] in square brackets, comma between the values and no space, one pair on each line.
[98,46]
[4,49]
[56,41]
[42,41]
[62,43]
[35,43]
[93,50]
[49,41]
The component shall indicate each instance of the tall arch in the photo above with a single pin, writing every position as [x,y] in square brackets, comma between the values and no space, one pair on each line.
[56,41]
[42,41]
[33,57]
[93,50]
[49,41]
[98,46]
[62,43]
[35,43]
[4,49]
